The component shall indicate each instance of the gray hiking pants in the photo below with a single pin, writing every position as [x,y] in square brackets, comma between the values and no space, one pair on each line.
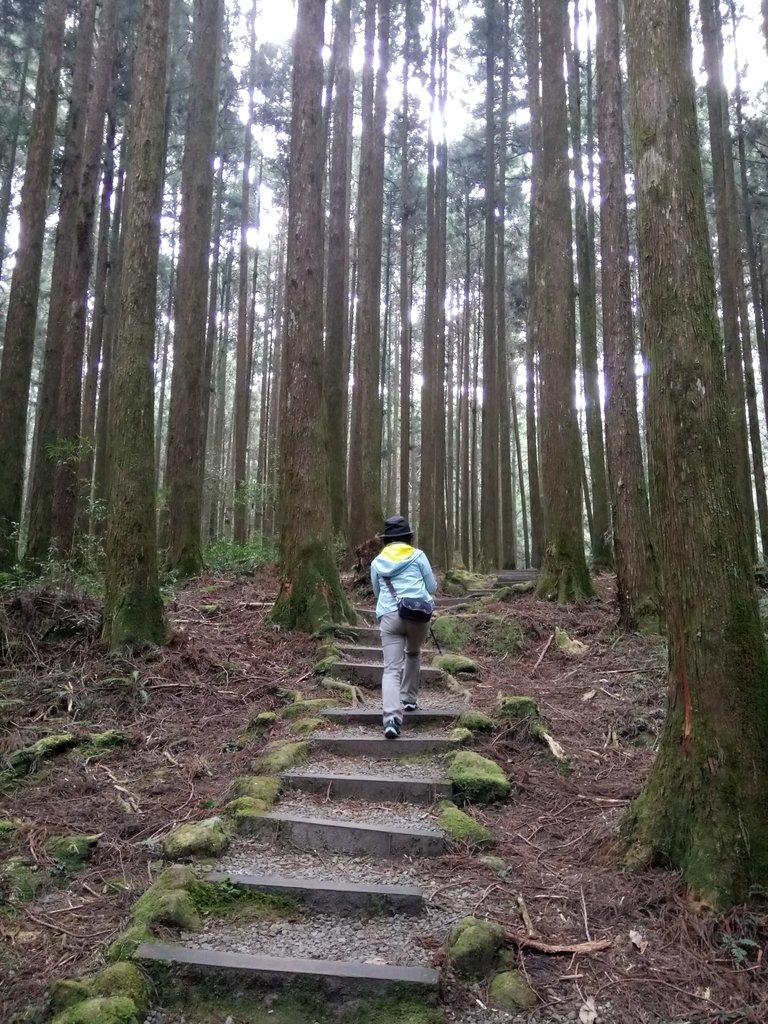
[401,642]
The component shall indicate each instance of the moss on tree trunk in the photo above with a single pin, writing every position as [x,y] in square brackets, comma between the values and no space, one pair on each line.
[703,809]
[311,597]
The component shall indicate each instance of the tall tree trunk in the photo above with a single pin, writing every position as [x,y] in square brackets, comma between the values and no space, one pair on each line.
[111,312]
[440,549]
[703,807]
[185,419]
[406,213]
[508,518]
[336,299]
[466,480]
[243,361]
[70,441]
[564,574]
[310,597]
[635,559]
[530,10]
[602,556]
[6,190]
[161,355]
[490,555]
[217,435]
[133,608]
[520,476]
[47,452]
[16,368]
[96,337]
[729,255]
[366,512]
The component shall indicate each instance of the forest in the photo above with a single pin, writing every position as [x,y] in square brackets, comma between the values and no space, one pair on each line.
[272,274]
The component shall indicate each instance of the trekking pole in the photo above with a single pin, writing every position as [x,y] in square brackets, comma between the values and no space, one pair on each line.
[434,638]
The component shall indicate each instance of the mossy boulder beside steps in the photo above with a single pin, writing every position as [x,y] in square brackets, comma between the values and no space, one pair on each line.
[477,780]
[473,946]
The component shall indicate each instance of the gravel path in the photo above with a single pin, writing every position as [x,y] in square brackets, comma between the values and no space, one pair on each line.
[362,811]
[336,765]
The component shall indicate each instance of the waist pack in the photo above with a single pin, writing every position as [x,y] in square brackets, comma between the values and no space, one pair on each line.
[414,609]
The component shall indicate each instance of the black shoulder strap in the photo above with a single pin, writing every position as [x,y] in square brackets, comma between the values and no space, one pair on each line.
[392,590]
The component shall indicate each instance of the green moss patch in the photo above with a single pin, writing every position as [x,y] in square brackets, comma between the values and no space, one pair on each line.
[504,638]
[260,787]
[511,992]
[206,838]
[19,882]
[72,853]
[8,829]
[573,648]
[304,726]
[462,829]
[101,1010]
[461,736]
[454,664]
[467,581]
[245,812]
[100,743]
[120,979]
[226,899]
[473,946]
[452,632]
[477,779]
[279,757]
[476,721]
[397,1008]
[305,707]
[517,709]
[26,760]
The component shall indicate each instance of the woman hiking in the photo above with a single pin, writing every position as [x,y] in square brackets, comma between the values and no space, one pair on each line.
[403,583]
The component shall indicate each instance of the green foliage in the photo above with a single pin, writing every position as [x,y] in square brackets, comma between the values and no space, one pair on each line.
[72,853]
[740,948]
[234,902]
[225,557]
[19,882]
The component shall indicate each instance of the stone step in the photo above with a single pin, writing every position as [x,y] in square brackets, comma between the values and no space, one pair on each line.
[364,634]
[362,716]
[379,746]
[342,835]
[369,673]
[332,897]
[506,577]
[390,788]
[231,975]
[366,613]
[375,654]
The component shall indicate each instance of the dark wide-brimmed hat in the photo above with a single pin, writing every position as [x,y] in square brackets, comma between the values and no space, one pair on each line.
[396,528]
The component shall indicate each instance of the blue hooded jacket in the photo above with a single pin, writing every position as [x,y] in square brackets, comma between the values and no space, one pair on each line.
[410,572]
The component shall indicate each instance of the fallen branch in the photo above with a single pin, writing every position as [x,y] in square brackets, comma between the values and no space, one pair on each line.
[526,917]
[541,656]
[573,949]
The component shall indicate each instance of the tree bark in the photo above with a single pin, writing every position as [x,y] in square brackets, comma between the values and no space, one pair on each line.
[71,444]
[48,452]
[635,559]
[240,438]
[6,191]
[185,418]
[310,596]
[133,608]
[490,555]
[530,11]
[336,301]
[16,368]
[729,255]
[406,213]
[703,807]
[564,574]
[602,556]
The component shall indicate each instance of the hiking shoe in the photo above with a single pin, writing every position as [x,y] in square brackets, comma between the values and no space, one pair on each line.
[410,707]
[391,728]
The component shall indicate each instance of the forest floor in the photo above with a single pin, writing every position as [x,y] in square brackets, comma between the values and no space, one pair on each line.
[183,710]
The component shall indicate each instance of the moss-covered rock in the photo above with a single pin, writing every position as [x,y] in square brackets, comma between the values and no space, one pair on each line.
[517,709]
[72,853]
[476,721]
[306,707]
[279,757]
[472,947]
[261,787]
[573,648]
[463,829]
[516,590]
[126,944]
[106,740]
[511,992]
[176,909]
[304,726]
[503,637]
[25,759]
[206,838]
[20,882]
[496,864]
[461,736]
[454,664]
[477,780]
[245,812]
[119,979]
[262,723]
[101,1010]
[467,581]
[453,632]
